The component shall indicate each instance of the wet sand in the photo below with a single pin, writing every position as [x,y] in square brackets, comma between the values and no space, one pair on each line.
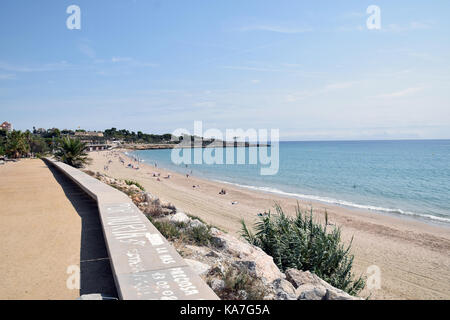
[413,257]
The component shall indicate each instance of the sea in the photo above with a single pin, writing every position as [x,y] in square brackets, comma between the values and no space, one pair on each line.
[409,178]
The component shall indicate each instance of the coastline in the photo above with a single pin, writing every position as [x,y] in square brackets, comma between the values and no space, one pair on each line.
[161,146]
[413,256]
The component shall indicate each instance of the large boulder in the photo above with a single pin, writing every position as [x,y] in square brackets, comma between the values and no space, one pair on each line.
[195,223]
[309,286]
[283,289]
[255,260]
[180,217]
[217,284]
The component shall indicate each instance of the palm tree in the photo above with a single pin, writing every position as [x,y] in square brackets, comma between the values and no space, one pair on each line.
[16,144]
[72,152]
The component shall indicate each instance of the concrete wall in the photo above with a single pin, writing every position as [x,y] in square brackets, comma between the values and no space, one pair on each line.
[144,264]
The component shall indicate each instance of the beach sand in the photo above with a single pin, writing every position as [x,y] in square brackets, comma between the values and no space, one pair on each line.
[413,257]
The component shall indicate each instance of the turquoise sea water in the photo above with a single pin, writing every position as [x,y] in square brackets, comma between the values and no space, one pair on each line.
[410,178]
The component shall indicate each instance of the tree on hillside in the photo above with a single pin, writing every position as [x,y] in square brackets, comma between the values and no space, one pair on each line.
[72,152]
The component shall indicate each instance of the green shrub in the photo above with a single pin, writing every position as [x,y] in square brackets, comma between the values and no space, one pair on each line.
[167,229]
[200,235]
[137,184]
[304,244]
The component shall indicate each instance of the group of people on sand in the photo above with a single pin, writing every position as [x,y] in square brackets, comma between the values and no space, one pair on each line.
[131,166]
[157,175]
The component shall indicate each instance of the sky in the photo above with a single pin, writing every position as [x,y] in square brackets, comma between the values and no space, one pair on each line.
[311,69]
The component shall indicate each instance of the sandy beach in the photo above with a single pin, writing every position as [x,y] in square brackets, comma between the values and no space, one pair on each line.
[413,257]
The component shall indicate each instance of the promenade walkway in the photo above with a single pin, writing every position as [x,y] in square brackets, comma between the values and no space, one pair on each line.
[48,229]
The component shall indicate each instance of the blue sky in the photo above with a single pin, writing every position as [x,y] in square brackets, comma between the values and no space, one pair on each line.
[310,68]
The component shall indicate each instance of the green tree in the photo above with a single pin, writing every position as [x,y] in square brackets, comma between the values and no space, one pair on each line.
[38,145]
[72,152]
[2,142]
[17,144]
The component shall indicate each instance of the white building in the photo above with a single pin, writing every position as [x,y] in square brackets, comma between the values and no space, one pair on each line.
[6,126]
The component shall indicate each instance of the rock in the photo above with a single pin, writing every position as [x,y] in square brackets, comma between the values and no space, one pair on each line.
[243,295]
[284,290]
[337,294]
[248,266]
[148,197]
[217,269]
[215,231]
[212,254]
[310,287]
[298,278]
[217,284]
[219,243]
[196,223]
[198,250]
[261,264]
[180,217]
[310,292]
[134,188]
[198,267]
[270,296]
[166,211]
[136,198]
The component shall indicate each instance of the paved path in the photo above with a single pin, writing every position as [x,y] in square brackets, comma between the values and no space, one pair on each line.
[47,225]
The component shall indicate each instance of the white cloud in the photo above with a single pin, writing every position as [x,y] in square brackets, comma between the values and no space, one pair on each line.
[275,28]
[400,94]
[45,67]
[120,59]
[5,76]
[87,50]
[340,85]
[296,96]
[245,68]
[414,25]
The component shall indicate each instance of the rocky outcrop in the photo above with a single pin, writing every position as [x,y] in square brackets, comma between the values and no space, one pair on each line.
[309,286]
[254,259]
[233,268]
